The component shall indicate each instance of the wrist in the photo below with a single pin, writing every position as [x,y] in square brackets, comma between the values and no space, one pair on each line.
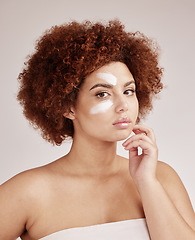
[147,184]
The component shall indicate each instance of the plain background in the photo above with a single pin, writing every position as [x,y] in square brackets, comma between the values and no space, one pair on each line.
[170,22]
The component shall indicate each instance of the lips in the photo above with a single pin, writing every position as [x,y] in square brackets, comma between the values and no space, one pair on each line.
[122,123]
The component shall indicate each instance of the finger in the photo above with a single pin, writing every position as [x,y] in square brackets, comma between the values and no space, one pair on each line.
[147,147]
[143,129]
[140,136]
[134,151]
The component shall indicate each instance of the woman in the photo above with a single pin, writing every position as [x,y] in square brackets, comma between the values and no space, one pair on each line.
[94,82]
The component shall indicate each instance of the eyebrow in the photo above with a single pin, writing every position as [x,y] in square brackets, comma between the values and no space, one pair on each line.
[109,85]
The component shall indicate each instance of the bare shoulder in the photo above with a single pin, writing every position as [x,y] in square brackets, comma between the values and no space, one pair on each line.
[165,172]
[26,181]
[28,186]
[168,176]
[170,180]
[18,197]
[176,190]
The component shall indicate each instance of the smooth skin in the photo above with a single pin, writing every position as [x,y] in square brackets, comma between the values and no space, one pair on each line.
[161,190]
[91,184]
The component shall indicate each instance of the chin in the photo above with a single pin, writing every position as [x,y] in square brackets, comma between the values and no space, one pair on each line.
[122,135]
[122,138]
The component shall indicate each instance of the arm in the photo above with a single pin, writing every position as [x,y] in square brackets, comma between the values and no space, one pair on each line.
[167,207]
[13,207]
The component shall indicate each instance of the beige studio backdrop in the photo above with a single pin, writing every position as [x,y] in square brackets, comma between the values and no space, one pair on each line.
[170,22]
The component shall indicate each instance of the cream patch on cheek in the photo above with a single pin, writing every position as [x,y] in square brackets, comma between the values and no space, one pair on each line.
[108,77]
[101,107]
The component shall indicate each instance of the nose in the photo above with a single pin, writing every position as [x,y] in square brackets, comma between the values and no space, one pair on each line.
[121,104]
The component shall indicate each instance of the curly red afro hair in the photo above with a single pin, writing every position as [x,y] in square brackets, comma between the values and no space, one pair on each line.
[66,54]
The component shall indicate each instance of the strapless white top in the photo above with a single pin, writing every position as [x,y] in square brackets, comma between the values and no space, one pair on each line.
[134,229]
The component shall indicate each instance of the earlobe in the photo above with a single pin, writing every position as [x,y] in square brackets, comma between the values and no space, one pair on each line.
[70,115]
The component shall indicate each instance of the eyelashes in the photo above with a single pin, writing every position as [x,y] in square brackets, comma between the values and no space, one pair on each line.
[104,94]
[129,92]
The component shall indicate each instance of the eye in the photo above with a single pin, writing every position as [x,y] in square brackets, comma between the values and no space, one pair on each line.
[102,95]
[129,92]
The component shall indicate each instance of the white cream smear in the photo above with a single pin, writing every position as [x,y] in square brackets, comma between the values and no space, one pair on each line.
[101,107]
[108,77]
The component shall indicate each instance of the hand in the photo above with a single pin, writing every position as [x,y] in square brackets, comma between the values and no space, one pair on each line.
[142,167]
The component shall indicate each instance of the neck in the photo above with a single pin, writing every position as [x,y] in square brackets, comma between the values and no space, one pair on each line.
[93,158]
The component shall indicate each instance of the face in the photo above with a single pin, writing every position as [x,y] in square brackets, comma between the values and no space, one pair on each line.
[107,106]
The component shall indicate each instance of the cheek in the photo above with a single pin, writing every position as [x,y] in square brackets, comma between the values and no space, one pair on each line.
[136,106]
[101,107]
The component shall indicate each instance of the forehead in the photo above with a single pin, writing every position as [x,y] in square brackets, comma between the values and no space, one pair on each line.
[115,72]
